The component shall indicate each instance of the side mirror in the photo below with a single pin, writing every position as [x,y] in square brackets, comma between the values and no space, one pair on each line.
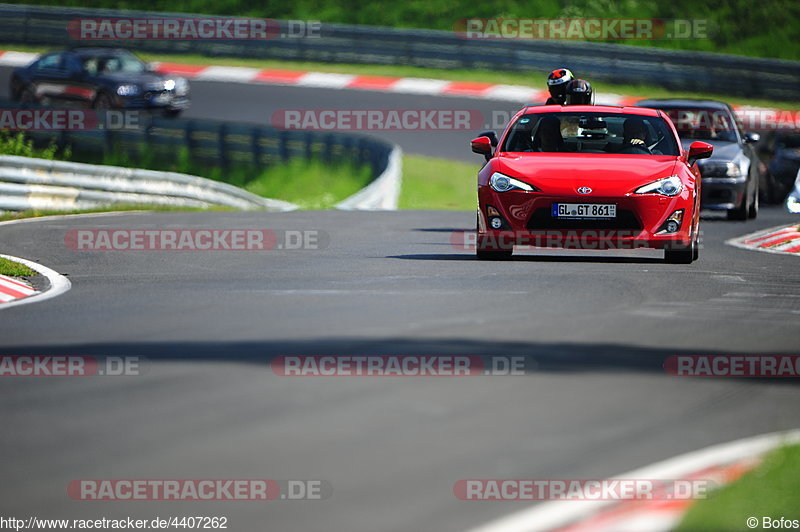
[751,138]
[151,67]
[482,145]
[699,150]
[492,137]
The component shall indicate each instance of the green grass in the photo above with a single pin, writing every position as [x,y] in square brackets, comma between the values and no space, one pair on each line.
[19,145]
[310,184]
[436,184]
[772,490]
[760,29]
[14,269]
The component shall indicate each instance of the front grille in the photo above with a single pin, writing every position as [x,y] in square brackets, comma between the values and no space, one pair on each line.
[713,169]
[542,219]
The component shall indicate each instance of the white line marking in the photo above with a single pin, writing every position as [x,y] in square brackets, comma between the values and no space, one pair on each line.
[419,86]
[58,283]
[514,93]
[325,80]
[556,514]
[739,241]
[223,73]
[17,58]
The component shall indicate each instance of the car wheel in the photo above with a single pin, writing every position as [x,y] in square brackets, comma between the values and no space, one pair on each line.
[485,250]
[28,96]
[752,212]
[739,213]
[682,254]
[102,101]
[493,254]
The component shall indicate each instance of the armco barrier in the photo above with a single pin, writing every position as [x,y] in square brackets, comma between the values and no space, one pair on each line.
[55,185]
[672,69]
[28,183]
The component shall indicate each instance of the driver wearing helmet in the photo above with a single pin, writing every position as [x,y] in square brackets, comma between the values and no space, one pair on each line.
[557,83]
[579,92]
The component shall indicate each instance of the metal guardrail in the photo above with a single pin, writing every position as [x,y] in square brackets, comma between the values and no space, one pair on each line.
[672,69]
[225,145]
[28,183]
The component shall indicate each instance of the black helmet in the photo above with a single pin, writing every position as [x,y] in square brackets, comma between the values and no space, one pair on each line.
[557,83]
[579,92]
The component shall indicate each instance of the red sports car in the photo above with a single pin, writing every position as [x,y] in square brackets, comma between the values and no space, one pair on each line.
[589,177]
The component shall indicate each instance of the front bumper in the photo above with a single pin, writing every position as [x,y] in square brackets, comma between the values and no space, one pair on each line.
[723,193]
[155,100]
[527,221]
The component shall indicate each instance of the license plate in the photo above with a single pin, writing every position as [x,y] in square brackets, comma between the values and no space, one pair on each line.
[584,210]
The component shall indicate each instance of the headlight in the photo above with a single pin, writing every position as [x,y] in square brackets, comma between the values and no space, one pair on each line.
[128,90]
[668,186]
[503,183]
[734,170]
[181,86]
[169,84]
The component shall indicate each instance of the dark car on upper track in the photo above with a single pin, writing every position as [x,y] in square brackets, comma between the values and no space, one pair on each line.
[731,176]
[102,78]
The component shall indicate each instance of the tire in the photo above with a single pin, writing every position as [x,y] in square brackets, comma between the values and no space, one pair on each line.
[493,254]
[490,252]
[682,254]
[27,96]
[14,90]
[752,212]
[739,213]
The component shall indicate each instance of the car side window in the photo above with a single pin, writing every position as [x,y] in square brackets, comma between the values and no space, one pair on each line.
[72,64]
[51,61]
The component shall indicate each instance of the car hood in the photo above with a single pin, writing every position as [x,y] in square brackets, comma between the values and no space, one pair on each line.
[723,151]
[604,174]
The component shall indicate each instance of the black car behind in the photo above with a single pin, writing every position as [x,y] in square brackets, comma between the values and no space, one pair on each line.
[732,174]
[102,78]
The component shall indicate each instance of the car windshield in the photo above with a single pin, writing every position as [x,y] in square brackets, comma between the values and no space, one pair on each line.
[703,124]
[608,133]
[110,64]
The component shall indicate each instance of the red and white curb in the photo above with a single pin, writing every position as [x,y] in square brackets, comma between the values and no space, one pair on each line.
[58,285]
[719,463]
[397,85]
[11,289]
[782,240]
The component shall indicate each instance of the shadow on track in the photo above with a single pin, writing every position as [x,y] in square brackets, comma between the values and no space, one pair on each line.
[535,258]
[539,357]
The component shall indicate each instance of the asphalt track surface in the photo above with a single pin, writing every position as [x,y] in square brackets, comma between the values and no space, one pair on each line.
[595,328]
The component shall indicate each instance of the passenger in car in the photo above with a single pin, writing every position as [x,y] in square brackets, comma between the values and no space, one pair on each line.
[548,135]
